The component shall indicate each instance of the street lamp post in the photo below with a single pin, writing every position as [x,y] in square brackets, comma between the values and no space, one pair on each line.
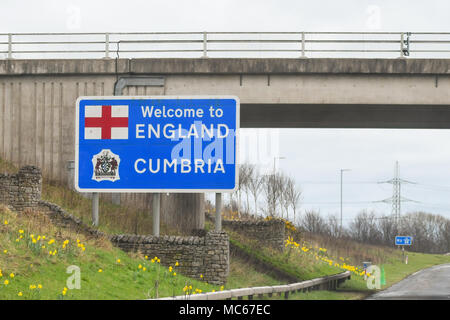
[342,173]
[274,161]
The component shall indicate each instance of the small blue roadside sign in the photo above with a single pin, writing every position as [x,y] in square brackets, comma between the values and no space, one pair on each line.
[403,241]
[156,144]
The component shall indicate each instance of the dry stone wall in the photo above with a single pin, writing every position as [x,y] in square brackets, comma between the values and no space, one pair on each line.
[268,232]
[207,256]
[61,218]
[22,190]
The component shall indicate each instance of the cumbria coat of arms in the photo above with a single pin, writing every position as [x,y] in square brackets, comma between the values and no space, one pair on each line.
[106,166]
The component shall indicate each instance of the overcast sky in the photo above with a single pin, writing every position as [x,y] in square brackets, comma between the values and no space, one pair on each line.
[225,15]
[313,156]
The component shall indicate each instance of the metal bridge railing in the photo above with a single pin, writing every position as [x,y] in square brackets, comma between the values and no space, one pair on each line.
[224,44]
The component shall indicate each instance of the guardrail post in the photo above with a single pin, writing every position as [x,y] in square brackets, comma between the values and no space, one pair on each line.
[402,37]
[9,46]
[303,45]
[106,45]
[205,45]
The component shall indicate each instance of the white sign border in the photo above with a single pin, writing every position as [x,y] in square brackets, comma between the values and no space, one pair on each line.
[211,97]
[395,240]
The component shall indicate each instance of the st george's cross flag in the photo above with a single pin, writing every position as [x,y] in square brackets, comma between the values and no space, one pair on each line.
[106,122]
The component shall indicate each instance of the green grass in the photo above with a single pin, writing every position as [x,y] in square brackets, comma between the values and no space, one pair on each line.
[31,264]
[397,270]
[317,262]
[291,262]
[244,274]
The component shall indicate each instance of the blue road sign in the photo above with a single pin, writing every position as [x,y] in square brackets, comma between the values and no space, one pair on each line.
[156,144]
[403,241]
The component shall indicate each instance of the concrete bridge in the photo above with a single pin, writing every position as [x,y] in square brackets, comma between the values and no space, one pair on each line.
[37,100]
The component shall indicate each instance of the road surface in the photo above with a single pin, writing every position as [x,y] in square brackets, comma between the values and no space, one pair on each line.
[432,283]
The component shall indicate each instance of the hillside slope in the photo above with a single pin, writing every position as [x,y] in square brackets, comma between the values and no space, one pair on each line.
[35,257]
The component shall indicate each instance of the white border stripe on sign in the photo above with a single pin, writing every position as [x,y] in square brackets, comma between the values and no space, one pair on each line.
[143,190]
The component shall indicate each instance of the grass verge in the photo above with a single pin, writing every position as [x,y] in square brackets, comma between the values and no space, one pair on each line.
[35,257]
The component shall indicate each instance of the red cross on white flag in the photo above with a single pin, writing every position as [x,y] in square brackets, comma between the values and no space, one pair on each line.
[106,122]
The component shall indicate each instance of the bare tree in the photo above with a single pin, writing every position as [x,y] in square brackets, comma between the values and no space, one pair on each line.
[313,222]
[388,229]
[292,195]
[255,184]
[251,169]
[333,226]
[244,171]
[364,228]
[283,200]
[272,189]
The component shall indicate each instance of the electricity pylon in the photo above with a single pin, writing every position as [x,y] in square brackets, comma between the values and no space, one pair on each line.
[396,199]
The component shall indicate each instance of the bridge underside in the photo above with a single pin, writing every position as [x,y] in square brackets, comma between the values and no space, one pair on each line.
[345,116]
